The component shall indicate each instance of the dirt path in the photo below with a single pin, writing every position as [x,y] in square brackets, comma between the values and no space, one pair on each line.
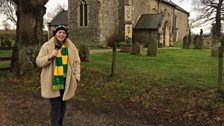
[21,108]
[93,51]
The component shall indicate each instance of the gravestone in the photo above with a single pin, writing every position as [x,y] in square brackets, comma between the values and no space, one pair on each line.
[198,42]
[136,49]
[205,44]
[215,50]
[215,46]
[186,43]
[201,32]
[152,47]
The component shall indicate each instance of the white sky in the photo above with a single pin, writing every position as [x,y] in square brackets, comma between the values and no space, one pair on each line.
[52,4]
[185,4]
[188,6]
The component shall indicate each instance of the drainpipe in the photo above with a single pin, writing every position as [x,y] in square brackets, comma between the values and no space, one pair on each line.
[158,5]
[174,23]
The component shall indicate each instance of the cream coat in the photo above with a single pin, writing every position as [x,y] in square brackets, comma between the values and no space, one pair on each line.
[73,70]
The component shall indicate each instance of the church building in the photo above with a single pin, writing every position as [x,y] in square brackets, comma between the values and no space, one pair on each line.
[94,21]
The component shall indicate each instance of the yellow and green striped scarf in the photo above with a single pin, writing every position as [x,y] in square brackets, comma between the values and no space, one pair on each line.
[60,70]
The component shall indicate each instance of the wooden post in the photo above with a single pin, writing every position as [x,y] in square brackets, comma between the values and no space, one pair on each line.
[114,59]
[220,65]
[220,61]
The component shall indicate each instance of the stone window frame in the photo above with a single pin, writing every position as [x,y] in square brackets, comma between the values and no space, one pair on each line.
[83,18]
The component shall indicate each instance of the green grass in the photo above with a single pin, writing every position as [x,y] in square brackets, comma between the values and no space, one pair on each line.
[186,66]
[177,44]
[5,53]
[7,63]
[175,78]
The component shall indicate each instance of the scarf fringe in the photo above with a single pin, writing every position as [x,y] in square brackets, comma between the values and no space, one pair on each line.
[57,87]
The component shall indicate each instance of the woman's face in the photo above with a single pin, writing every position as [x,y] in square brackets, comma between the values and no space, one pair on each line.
[61,35]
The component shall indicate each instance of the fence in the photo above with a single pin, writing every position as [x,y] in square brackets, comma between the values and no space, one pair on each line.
[6,60]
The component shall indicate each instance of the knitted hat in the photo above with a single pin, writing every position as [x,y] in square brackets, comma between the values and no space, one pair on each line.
[60,27]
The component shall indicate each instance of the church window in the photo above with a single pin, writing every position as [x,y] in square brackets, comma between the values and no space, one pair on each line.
[83,13]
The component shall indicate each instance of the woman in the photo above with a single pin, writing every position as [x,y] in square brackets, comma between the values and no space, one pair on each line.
[60,65]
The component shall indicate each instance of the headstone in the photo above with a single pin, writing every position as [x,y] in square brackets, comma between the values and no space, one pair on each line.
[186,43]
[136,49]
[201,32]
[84,53]
[152,47]
[215,50]
[198,42]
[205,43]
[215,47]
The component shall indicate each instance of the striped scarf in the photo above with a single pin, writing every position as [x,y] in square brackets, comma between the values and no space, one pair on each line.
[60,68]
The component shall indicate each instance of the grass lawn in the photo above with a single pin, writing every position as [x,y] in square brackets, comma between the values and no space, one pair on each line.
[7,63]
[5,53]
[177,80]
[187,67]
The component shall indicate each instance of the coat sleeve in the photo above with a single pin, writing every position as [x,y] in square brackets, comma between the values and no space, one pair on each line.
[42,58]
[77,66]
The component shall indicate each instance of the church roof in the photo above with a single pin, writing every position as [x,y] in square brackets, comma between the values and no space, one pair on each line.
[61,18]
[149,21]
[175,5]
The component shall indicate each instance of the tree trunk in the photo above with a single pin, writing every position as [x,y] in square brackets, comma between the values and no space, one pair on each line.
[28,34]
[217,30]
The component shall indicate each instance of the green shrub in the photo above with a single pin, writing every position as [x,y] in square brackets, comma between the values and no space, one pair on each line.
[122,43]
[3,44]
[7,40]
[115,38]
[8,43]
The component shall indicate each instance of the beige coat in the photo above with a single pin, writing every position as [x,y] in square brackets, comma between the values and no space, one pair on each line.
[73,70]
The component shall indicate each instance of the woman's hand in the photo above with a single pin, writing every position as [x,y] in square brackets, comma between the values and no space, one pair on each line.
[53,54]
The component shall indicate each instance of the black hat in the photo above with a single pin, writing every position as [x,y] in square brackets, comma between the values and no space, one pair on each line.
[60,27]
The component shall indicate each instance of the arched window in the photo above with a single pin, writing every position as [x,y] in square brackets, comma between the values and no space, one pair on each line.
[83,13]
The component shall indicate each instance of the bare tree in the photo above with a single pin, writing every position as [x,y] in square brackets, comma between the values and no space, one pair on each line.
[6,25]
[212,12]
[8,8]
[209,12]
